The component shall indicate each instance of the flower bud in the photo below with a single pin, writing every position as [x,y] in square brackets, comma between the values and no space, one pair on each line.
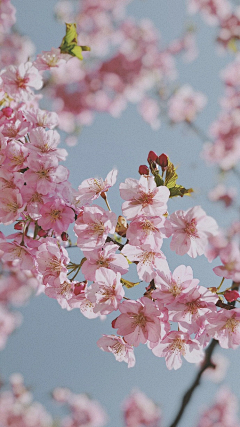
[231,295]
[152,157]
[143,170]
[79,287]
[42,233]
[162,161]
[18,225]
[64,236]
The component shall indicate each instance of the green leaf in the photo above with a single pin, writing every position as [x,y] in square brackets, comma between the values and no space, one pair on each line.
[77,51]
[179,190]
[128,284]
[158,179]
[171,176]
[69,42]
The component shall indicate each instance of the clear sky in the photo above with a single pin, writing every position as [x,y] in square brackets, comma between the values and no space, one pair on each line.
[54,347]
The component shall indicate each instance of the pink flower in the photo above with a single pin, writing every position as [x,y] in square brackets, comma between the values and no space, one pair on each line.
[56,215]
[11,205]
[104,257]
[171,287]
[19,255]
[93,226]
[176,344]
[148,260]
[185,104]
[139,321]
[106,292]
[52,261]
[91,188]
[139,410]
[53,58]
[223,412]
[21,78]
[191,230]
[223,194]
[143,197]
[42,118]
[16,155]
[146,230]
[190,306]
[7,16]
[44,174]
[225,327]
[44,143]
[230,257]
[122,351]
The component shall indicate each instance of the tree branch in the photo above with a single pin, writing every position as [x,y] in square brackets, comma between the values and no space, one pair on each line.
[187,396]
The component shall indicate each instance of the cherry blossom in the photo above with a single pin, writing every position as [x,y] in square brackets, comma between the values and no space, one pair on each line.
[143,197]
[56,215]
[149,260]
[191,230]
[171,286]
[177,344]
[91,188]
[93,226]
[105,257]
[122,351]
[225,327]
[138,322]
[106,292]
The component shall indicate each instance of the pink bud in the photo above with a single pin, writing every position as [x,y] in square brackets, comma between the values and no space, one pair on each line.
[162,161]
[152,157]
[64,236]
[18,225]
[7,111]
[231,295]
[143,170]
[79,287]
[42,233]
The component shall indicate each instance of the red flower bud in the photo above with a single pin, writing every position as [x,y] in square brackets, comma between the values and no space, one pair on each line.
[18,225]
[231,295]
[152,157]
[42,233]
[162,161]
[64,236]
[79,288]
[143,170]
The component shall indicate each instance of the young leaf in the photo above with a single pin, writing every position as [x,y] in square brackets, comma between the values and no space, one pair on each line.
[158,179]
[178,190]
[171,175]
[69,42]
[128,284]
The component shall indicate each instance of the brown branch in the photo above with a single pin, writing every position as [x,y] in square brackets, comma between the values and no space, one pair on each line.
[187,396]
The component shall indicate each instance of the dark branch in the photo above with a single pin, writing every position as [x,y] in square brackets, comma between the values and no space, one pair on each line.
[187,396]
